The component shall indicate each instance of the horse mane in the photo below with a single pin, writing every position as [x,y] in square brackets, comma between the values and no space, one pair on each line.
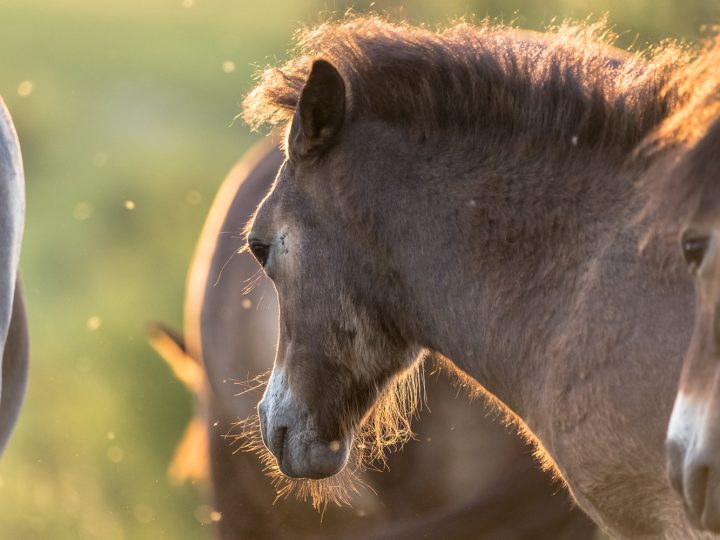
[697,86]
[690,139]
[567,85]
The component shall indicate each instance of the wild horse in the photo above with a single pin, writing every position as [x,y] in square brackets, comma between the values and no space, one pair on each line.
[474,193]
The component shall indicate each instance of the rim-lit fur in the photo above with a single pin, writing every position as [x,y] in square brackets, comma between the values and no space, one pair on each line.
[565,86]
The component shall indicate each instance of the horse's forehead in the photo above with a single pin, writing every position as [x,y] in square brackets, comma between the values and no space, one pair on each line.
[279,200]
[303,191]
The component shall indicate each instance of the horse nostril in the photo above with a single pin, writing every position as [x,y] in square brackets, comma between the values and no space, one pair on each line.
[674,453]
[695,486]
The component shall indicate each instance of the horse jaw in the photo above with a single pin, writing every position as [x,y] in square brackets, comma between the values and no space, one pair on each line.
[290,434]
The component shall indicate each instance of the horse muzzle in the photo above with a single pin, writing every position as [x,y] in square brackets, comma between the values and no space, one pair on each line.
[693,463]
[292,439]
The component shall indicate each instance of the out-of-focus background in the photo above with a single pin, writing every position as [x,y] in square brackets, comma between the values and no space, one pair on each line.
[125,111]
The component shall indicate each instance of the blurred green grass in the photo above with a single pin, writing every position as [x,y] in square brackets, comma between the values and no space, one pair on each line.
[129,101]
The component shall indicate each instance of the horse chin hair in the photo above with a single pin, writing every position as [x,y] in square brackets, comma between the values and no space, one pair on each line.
[337,489]
[387,426]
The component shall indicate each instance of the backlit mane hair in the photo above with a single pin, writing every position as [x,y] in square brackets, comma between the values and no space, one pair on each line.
[697,87]
[690,138]
[566,85]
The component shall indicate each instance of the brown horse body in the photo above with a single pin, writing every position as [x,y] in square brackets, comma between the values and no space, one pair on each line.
[463,477]
[687,196]
[475,193]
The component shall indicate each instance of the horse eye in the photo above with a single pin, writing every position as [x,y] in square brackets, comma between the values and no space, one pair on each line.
[694,248]
[260,251]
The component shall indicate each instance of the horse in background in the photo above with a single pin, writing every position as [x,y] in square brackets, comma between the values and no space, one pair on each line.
[13,324]
[685,206]
[462,477]
[474,193]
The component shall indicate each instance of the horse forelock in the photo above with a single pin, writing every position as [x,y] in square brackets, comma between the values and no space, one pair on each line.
[567,85]
[387,426]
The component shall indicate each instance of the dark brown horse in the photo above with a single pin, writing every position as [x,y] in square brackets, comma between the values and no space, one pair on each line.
[475,193]
[694,430]
[463,476]
[13,325]
[686,195]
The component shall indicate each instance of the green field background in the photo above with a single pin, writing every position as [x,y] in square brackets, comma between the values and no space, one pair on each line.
[131,103]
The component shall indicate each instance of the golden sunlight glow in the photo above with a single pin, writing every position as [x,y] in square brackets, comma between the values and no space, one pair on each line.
[94,322]
[205,514]
[82,211]
[25,88]
[191,461]
[115,454]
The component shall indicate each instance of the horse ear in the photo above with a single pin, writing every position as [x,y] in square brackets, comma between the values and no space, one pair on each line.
[320,111]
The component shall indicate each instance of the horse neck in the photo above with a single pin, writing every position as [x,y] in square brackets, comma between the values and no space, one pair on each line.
[534,235]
